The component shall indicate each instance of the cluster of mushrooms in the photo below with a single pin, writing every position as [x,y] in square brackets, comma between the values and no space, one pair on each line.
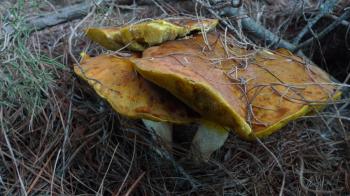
[187,74]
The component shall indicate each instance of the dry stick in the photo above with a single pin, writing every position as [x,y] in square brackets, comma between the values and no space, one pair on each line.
[344,22]
[327,30]
[263,33]
[325,9]
[258,30]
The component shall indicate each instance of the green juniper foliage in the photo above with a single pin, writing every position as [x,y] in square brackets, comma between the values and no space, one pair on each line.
[26,73]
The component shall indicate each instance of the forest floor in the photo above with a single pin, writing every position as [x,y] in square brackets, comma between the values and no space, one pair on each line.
[58,137]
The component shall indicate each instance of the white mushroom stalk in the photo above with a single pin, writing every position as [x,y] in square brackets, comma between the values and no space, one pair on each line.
[209,137]
[162,130]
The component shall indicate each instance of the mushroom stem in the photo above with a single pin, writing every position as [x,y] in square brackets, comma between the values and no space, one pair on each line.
[162,130]
[209,138]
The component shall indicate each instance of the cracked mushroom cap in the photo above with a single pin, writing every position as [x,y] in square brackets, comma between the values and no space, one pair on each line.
[139,36]
[255,93]
[115,80]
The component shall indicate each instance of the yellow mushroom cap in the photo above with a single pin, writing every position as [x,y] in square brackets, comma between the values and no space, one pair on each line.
[104,37]
[196,24]
[115,80]
[138,37]
[255,99]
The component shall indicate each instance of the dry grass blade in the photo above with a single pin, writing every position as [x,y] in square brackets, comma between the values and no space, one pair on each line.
[39,174]
[100,189]
[133,186]
[129,170]
[14,160]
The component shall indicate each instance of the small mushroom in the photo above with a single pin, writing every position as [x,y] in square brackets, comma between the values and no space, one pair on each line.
[138,37]
[255,96]
[129,94]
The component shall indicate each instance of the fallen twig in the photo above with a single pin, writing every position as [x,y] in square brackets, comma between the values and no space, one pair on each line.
[327,30]
[253,27]
[325,9]
[261,32]
[343,22]
[258,30]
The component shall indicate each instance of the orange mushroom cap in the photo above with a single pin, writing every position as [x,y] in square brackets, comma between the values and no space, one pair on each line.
[255,96]
[115,80]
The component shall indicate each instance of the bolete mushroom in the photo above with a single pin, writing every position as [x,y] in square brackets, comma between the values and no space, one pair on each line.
[114,79]
[255,96]
[254,99]
[139,36]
